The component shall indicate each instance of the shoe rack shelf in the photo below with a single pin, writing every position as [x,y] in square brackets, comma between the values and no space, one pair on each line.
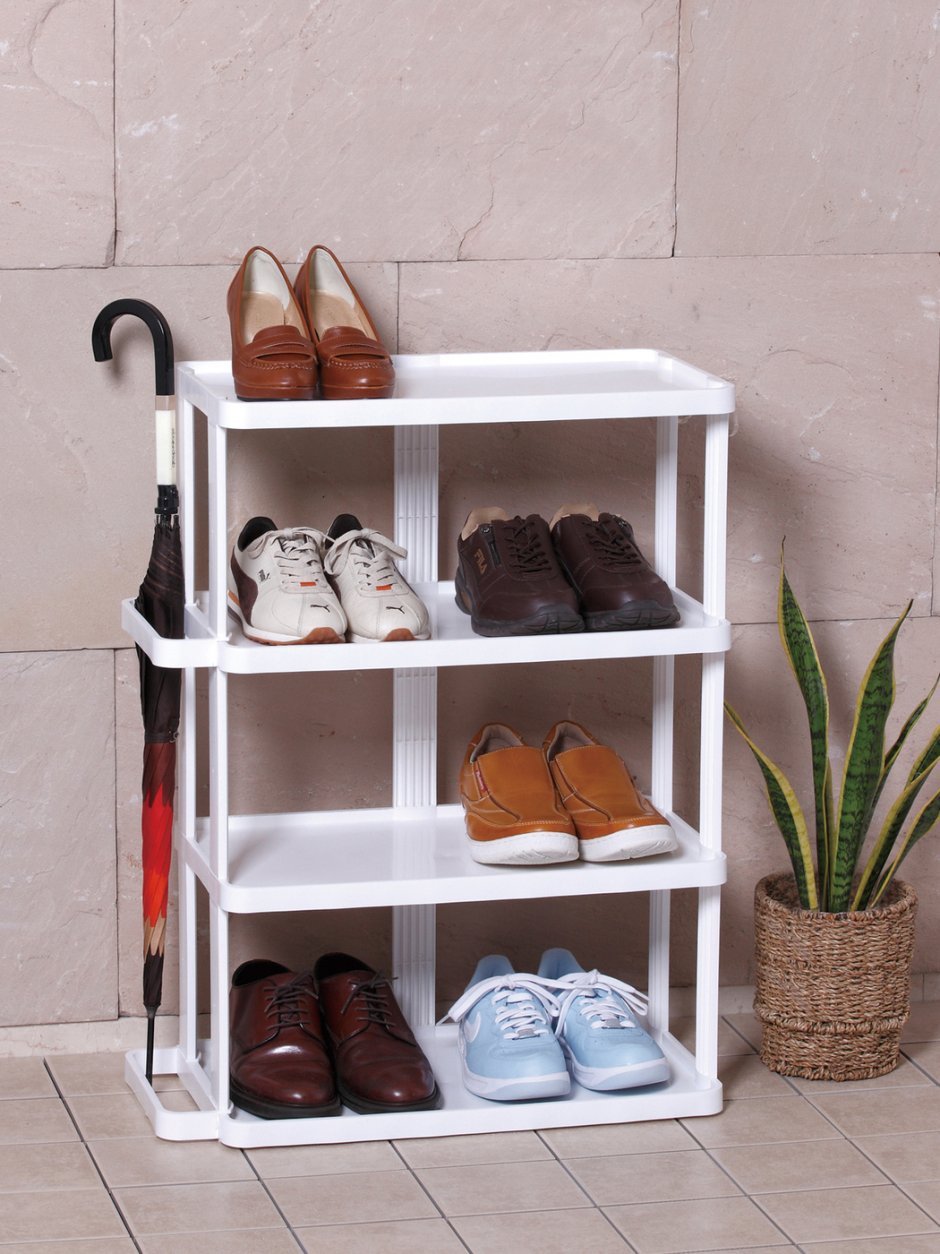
[413,855]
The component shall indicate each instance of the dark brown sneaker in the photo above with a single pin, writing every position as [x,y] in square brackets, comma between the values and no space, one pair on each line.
[508,578]
[619,590]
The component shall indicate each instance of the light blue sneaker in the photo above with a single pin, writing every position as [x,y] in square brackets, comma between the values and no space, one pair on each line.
[508,1051]
[605,1046]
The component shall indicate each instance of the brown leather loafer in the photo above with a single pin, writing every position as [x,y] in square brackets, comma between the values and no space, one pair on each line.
[354,364]
[379,1064]
[273,357]
[280,1068]
[512,813]
[508,578]
[619,590]
[614,821]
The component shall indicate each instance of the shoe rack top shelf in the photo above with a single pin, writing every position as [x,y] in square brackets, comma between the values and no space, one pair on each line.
[448,388]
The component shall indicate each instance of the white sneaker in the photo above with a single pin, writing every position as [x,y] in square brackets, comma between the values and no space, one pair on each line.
[277,587]
[379,603]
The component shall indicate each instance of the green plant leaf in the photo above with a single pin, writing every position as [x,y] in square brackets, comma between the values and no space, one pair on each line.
[891,755]
[864,761]
[894,821]
[924,822]
[788,816]
[800,648]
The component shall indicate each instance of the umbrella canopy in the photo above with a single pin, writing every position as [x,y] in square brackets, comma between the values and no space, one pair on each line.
[160,602]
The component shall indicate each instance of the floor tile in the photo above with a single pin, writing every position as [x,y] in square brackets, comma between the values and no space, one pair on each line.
[23,1120]
[760,1120]
[543,1232]
[926,1054]
[25,1077]
[903,1076]
[364,1196]
[744,1075]
[880,1245]
[130,1161]
[58,1166]
[197,1208]
[51,1216]
[882,1111]
[109,1115]
[403,1236]
[490,1189]
[245,1241]
[324,1160]
[729,1041]
[748,1025]
[924,1023]
[730,1223]
[904,1156]
[797,1165]
[843,1214]
[625,1178]
[618,1138]
[926,1193]
[488,1147]
[95,1245]
[85,1074]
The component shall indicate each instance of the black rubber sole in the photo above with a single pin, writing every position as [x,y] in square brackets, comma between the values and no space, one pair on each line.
[551,621]
[253,1105]
[363,1106]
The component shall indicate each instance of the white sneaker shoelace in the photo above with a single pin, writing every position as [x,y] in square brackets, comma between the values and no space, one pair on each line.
[372,556]
[527,999]
[298,560]
[603,1000]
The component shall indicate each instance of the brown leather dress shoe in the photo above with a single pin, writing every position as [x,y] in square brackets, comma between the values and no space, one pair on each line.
[613,819]
[280,1068]
[273,357]
[513,815]
[379,1064]
[619,590]
[354,364]
[508,578]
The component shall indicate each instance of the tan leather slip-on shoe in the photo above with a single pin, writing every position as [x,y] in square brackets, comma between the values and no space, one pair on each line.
[273,357]
[512,813]
[614,820]
[354,364]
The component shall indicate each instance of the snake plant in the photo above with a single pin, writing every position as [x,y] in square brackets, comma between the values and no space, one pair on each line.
[832,881]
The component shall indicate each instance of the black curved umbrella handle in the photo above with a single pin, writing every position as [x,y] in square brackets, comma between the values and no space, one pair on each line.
[159,330]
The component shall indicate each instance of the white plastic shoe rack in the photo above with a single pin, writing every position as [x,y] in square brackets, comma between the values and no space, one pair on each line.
[413,855]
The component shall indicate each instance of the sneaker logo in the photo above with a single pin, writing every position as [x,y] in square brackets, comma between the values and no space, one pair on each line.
[480,558]
[318,605]
[471,1027]
[400,608]
[263,575]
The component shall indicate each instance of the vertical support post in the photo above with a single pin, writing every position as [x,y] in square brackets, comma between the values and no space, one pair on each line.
[185,834]
[218,680]
[186,461]
[414,729]
[218,514]
[218,1061]
[712,729]
[665,546]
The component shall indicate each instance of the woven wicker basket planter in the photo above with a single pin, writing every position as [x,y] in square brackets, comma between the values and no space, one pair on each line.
[833,990]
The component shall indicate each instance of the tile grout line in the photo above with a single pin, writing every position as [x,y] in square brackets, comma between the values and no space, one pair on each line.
[271,1198]
[411,1171]
[114,1202]
[600,1210]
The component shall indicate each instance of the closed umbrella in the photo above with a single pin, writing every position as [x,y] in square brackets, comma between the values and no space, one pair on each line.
[160,602]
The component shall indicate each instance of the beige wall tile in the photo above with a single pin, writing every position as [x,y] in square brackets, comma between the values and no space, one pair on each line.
[839,1214]
[57,207]
[404,132]
[57,853]
[820,142]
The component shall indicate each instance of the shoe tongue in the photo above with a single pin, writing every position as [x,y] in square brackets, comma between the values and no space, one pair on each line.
[343,523]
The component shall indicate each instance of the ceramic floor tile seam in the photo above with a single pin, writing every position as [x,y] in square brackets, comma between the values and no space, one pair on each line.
[272,1200]
[932,1230]
[420,1183]
[728,1024]
[914,1063]
[107,1188]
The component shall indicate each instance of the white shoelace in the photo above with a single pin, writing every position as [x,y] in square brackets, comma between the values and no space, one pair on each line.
[299,558]
[526,1000]
[372,556]
[602,1006]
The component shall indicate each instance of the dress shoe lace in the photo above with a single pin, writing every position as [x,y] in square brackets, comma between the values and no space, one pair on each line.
[526,546]
[373,1008]
[289,1004]
[605,1002]
[613,542]
[371,555]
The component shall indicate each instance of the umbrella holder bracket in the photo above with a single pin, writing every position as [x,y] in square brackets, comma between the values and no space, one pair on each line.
[411,856]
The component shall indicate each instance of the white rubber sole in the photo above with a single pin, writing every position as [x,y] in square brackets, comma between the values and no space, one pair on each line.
[319,635]
[401,633]
[519,1089]
[525,849]
[613,1079]
[630,842]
